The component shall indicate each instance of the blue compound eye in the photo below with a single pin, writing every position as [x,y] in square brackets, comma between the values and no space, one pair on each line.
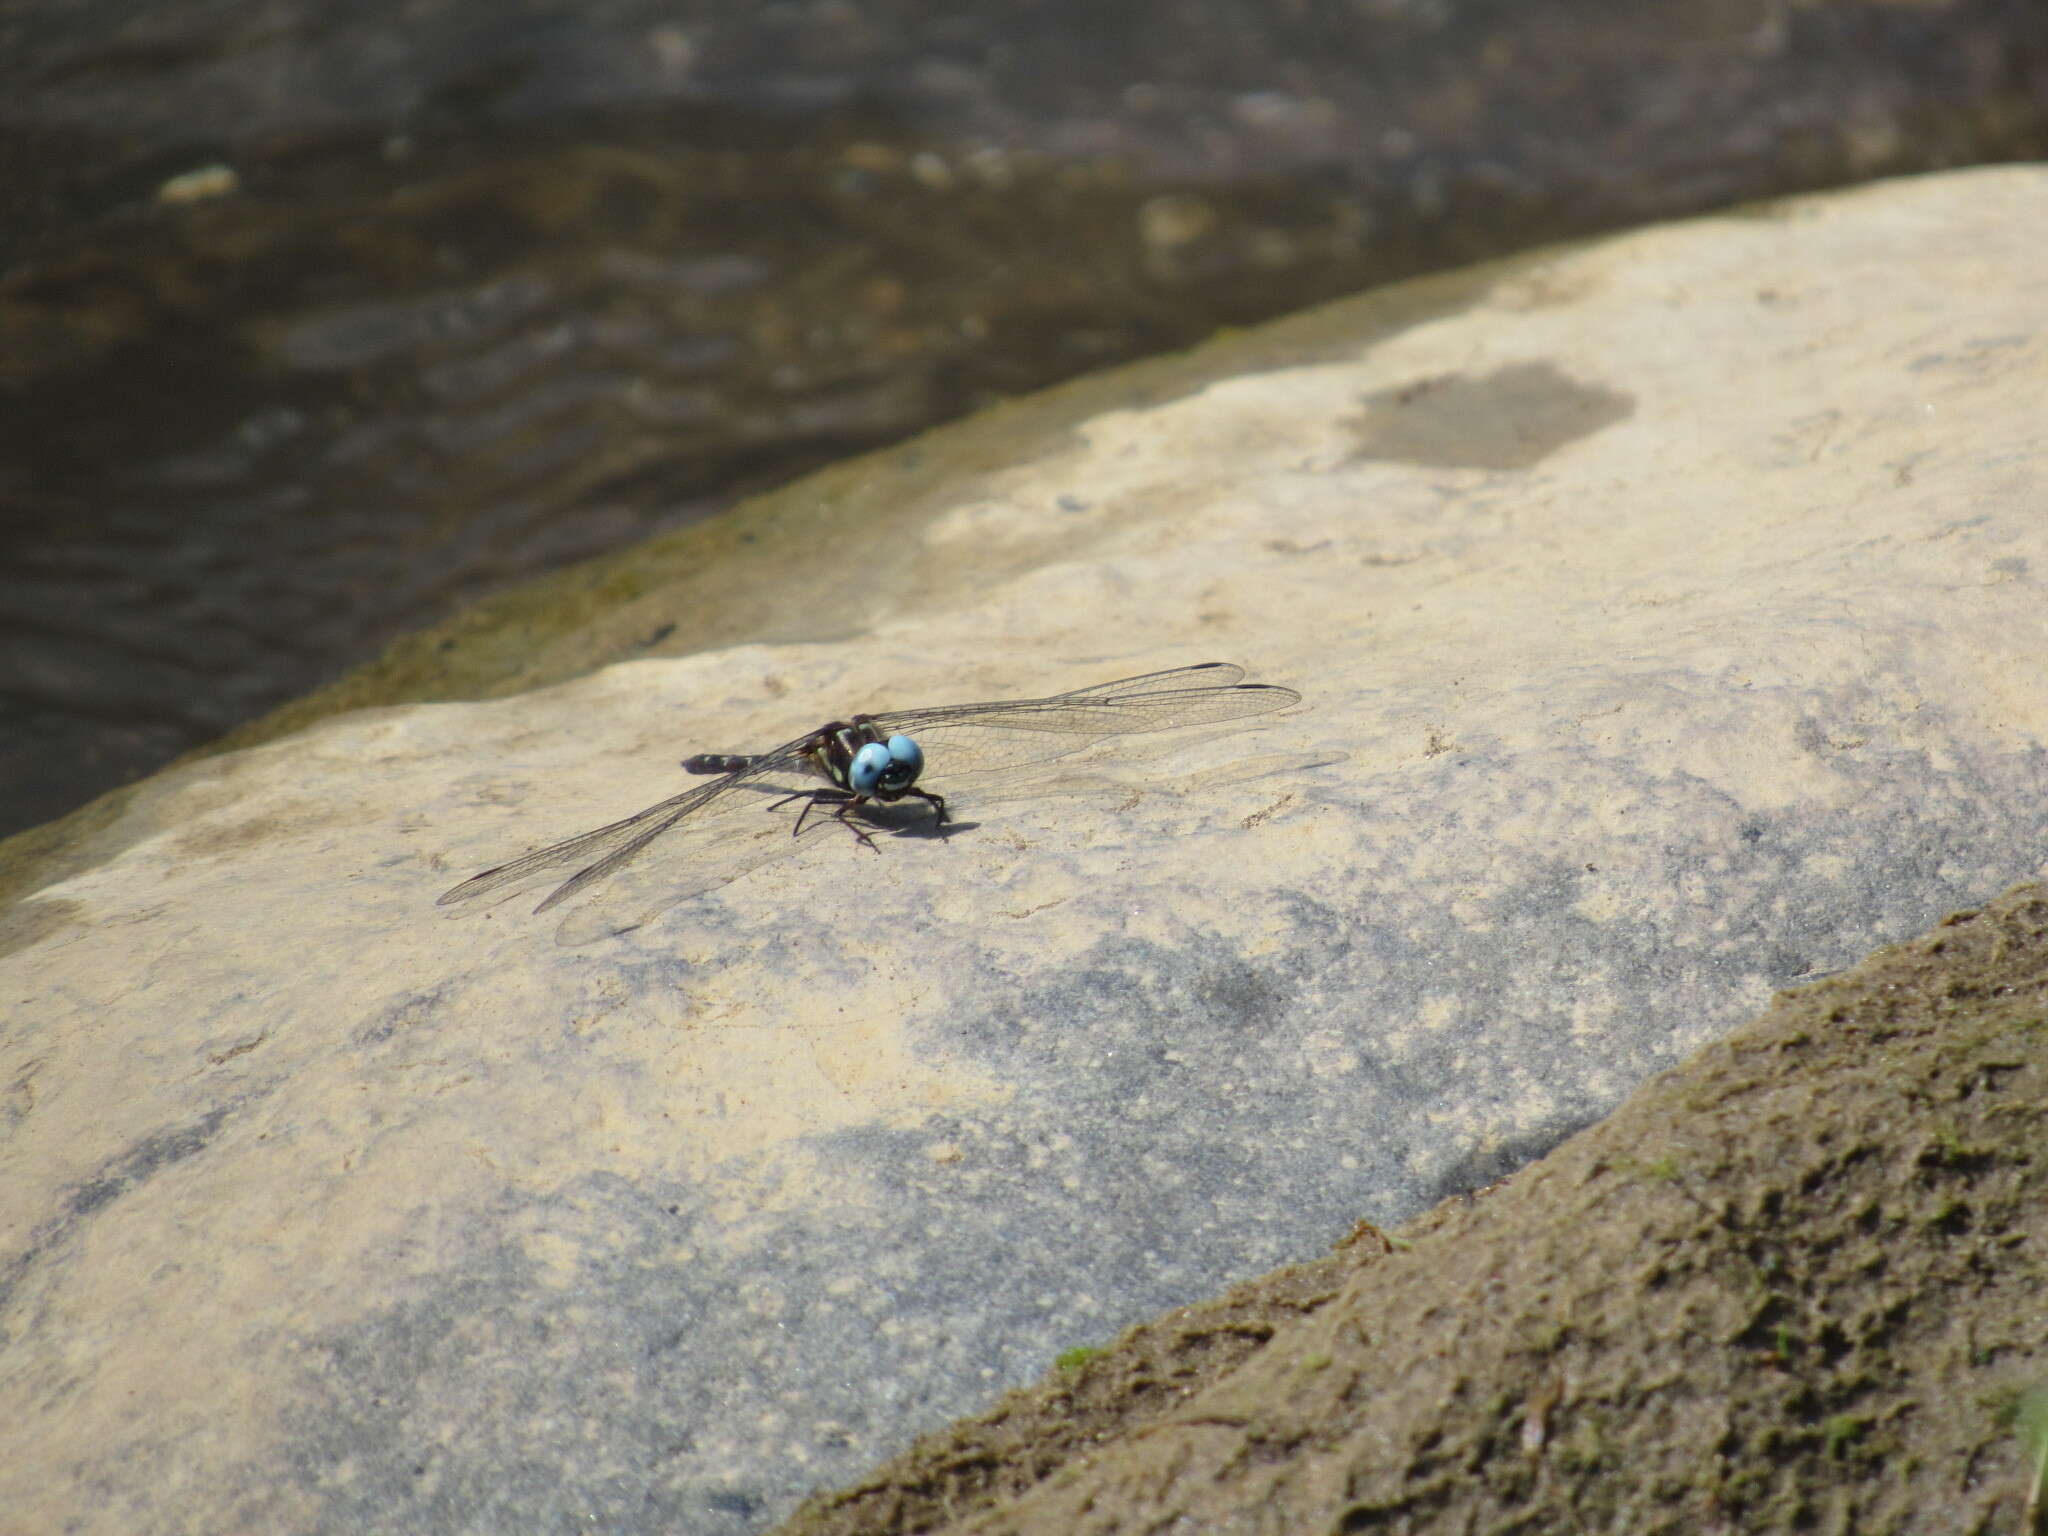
[870,766]
[908,757]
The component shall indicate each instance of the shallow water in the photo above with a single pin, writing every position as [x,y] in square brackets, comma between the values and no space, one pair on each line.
[316,331]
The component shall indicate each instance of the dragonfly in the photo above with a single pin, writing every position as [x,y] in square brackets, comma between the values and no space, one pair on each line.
[880,757]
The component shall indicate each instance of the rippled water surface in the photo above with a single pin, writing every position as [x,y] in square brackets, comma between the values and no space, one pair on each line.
[315,326]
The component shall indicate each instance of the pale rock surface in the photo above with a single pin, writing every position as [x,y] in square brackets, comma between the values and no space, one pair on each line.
[1669,612]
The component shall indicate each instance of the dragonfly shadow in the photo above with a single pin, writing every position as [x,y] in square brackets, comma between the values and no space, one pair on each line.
[903,819]
[897,822]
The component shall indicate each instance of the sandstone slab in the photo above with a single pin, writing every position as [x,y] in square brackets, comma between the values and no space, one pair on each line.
[1667,610]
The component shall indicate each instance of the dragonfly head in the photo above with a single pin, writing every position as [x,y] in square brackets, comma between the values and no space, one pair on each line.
[885,772]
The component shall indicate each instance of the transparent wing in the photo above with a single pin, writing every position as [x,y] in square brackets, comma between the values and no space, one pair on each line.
[697,857]
[598,854]
[1153,701]
[964,739]
[961,739]
[1214,674]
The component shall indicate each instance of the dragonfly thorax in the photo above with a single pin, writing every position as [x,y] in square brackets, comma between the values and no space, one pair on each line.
[860,759]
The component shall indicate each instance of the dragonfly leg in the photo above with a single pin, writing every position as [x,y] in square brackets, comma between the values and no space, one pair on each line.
[813,798]
[846,804]
[938,804]
[867,839]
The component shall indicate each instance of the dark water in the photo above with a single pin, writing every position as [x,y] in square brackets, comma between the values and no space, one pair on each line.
[456,298]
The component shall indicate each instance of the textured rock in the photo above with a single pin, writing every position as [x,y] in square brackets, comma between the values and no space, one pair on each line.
[1791,1283]
[1667,610]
